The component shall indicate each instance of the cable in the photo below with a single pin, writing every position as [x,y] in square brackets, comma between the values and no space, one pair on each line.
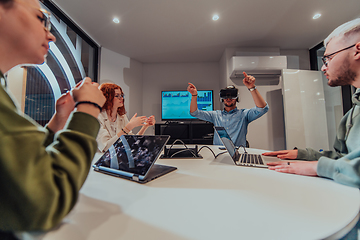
[176,140]
[184,150]
[243,147]
[195,154]
[208,148]
[220,154]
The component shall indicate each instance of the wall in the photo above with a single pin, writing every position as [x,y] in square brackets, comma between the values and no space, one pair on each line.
[15,81]
[267,132]
[175,76]
[302,54]
[127,73]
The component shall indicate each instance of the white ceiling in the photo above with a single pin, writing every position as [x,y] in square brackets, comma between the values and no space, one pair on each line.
[183,30]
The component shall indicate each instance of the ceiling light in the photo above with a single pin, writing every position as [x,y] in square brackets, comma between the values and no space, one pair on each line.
[116,20]
[215,17]
[316,16]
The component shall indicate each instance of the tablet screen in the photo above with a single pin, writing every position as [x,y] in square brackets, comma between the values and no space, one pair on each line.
[133,153]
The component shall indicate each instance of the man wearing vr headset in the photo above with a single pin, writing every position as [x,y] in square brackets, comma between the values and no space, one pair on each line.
[234,120]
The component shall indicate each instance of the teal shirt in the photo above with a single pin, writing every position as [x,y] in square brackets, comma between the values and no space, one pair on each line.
[41,172]
[343,163]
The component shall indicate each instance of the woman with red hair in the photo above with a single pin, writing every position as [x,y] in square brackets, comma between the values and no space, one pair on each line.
[113,119]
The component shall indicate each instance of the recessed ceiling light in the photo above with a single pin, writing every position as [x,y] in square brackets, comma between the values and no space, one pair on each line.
[215,17]
[316,16]
[116,20]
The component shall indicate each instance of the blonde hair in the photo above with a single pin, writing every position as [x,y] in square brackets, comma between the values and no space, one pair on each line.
[344,30]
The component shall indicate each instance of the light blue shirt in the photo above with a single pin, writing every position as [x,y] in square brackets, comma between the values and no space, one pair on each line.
[235,122]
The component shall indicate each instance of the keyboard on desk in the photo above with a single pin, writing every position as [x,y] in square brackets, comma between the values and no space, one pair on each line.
[250,160]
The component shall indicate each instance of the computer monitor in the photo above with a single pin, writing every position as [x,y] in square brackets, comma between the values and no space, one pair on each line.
[175,105]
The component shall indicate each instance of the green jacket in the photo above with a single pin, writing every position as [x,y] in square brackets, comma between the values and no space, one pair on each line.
[41,173]
[343,164]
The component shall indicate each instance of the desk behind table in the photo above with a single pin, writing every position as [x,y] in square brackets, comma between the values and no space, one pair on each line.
[210,199]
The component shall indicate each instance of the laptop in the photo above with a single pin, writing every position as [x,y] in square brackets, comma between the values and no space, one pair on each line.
[133,157]
[242,159]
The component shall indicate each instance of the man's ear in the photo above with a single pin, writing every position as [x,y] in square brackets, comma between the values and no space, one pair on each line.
[357,51]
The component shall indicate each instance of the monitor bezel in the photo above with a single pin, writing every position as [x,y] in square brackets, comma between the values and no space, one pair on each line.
[183,119]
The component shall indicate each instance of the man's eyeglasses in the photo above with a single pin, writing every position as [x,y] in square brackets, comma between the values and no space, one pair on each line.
[119,96]
[328,57]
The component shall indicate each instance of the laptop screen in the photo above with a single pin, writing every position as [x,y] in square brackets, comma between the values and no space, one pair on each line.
[228,143]
[133,153]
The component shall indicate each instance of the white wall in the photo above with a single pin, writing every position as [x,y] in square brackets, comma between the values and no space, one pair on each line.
[143,83]
[175,76]
[127,73]
[15,81]
[267,132]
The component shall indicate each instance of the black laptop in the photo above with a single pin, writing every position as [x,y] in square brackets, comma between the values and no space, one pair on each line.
[133,157]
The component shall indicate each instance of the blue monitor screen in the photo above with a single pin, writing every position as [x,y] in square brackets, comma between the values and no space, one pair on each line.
[175,105]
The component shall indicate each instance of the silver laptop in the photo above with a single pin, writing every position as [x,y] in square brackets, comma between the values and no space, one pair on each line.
[133,157]
[244,158]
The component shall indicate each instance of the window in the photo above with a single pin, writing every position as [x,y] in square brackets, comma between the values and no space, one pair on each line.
[73,57]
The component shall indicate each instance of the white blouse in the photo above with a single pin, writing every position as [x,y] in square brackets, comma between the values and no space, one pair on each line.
[108,130]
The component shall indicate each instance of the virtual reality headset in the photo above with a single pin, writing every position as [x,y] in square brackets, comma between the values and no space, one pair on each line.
[228,92]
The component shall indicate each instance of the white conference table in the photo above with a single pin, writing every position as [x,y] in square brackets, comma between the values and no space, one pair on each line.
[209,199]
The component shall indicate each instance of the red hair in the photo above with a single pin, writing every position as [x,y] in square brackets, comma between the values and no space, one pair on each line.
[108,89]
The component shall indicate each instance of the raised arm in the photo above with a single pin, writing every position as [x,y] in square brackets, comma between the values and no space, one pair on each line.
[249,82]
[193,105]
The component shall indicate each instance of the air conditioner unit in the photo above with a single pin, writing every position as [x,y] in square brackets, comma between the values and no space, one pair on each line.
[259,66]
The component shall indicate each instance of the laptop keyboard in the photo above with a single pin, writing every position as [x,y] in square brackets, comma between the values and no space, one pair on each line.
[251,159]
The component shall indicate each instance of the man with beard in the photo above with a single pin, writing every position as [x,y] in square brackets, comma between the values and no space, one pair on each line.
[234,120]
[341,67]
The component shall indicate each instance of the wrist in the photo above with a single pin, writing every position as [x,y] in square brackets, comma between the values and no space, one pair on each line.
[194,95]
[89,103]
[252,88]
[54,123]
[124,131]
[89,109]
[128,128]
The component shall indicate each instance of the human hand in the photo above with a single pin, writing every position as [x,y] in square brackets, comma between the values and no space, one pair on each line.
[150,121]
[192,89]
[86,90]
[249,81]
[307,168]
[284,154]
[136,121]
[63,107]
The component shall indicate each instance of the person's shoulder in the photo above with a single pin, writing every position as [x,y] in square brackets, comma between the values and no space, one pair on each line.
[102,116]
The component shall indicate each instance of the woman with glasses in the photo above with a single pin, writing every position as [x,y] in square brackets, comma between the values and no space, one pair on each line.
[113,119]
[41,169]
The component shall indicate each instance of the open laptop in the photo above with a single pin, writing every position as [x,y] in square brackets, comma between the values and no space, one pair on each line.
[242,159]
[133,157]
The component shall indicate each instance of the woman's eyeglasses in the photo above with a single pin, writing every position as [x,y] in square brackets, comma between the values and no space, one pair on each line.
[119,96]
[45,19]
